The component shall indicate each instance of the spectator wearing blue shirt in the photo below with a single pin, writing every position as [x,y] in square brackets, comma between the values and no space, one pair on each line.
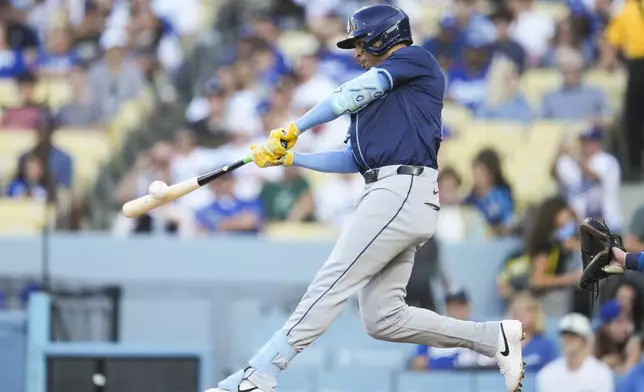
[491,194]
[503,99]
[228,213]
[57,58]
[538,349]
[466,83]
[503,43]
[457,305]
[12,61]
[633,380]
[447,46]
[470,23]
[32,181]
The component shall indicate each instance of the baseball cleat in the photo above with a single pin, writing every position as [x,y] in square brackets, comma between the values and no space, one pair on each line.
[509,356]
[244,386]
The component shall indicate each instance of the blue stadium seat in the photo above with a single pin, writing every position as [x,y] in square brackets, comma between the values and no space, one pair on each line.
[296,380]
[352,380]
[438,381]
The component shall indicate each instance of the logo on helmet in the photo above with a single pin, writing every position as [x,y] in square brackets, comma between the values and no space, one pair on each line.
[351,26]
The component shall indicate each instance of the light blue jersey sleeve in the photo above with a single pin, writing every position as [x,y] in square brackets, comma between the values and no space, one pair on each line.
[327,110]
[340,161]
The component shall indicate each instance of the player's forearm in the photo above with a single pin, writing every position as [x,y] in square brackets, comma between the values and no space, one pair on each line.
[340,161]
[634,261]
[348,98]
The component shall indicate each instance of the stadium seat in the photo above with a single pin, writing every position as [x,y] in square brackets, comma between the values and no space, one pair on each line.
[612,83]
[457,117]
[296,380]
[536,82]
[23,217]
[12,145]
[436,381]
[8,93]
[354,380]
[488,381]
[55,91]
[552,9]
[295,44]
[290,231]
[89,150]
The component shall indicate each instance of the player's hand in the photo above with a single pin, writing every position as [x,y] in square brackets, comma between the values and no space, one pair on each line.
[288,135]
[263,156]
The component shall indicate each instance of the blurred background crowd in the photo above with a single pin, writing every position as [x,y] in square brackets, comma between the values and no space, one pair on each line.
[543,126]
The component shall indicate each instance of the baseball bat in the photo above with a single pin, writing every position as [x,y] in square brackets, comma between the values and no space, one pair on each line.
[147,203]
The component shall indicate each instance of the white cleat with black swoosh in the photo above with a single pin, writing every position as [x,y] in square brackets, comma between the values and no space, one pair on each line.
[509,356]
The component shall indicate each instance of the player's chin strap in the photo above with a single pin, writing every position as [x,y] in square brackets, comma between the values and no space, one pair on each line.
[274,356]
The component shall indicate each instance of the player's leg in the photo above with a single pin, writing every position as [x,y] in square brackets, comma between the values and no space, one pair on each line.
[375,234]
[387,317]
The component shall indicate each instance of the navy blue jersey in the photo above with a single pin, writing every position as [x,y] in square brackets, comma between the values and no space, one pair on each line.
[404,126]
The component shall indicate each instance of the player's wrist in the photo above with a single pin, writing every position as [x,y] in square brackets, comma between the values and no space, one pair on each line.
[288,158]
[293,130]
[633,262]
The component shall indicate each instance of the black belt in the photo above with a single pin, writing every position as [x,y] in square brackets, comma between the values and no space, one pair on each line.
[372,175]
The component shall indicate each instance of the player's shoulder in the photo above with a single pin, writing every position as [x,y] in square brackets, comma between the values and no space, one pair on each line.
[416,53]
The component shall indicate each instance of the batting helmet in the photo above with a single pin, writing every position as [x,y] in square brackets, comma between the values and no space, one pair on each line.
[381,26]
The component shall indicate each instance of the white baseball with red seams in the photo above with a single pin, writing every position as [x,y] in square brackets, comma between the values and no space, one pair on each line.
[158,190]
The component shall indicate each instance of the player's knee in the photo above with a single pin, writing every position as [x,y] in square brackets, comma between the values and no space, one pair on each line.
[382,322]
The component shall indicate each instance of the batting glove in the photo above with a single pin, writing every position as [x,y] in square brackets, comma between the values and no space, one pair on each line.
[263,156]
[288,135]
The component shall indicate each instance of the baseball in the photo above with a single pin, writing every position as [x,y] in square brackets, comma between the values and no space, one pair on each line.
[158,190]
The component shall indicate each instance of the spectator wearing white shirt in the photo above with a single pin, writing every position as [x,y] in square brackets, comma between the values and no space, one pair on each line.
[591,182]
[577,370]
[531,29]
[313,88]
[336,197]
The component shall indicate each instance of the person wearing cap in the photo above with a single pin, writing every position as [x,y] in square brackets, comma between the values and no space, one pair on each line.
[229,213]
[634,240]
[116,78]
[576,369]
[590,181]
[457,305]
[612,337]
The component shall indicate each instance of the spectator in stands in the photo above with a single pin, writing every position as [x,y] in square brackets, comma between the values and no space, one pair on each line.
[504,44]
[451,223]
[80,111]
[12,61]
[612,340]
[208,124]
[634,241]
[566,38]
[277,110]
[577,369]
[26,114]
[575,100]
[227,213]
[550,248]
[115,79]
[625,32]
[530,29]
[590,181]
[538,349]
[336,197]
[32,180]
[627,293]
[447,45]
[241,116]
[58,58]
[20,36]
[87,33]
[469,23]
[503,99]
[491,194]
[466,83]
[189,161]
[457,305]
[633,380]
[288,200]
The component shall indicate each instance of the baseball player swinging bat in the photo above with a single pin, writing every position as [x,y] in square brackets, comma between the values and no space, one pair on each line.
[164,194]
[393,141]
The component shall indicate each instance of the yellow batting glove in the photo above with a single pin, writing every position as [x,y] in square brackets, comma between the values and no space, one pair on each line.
[264,157]
[287,159]
[288,135]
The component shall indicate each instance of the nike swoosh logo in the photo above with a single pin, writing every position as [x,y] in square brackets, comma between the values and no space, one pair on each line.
[436,191]
[248,390]
[506,351]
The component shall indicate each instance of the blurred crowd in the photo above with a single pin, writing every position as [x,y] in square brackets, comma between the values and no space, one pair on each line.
[73,64]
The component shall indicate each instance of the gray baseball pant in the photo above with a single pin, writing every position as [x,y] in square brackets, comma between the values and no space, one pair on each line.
[374,256]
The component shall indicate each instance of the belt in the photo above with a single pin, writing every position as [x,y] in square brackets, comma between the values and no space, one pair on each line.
[372,175]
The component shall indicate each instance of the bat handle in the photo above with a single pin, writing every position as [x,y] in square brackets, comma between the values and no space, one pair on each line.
[284,144]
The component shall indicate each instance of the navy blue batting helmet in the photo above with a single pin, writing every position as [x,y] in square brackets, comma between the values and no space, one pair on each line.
[380,26]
